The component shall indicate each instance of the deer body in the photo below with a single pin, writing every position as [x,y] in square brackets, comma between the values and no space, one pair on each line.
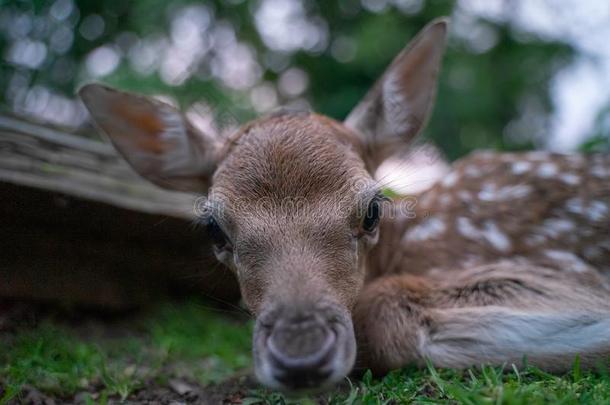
[505,257]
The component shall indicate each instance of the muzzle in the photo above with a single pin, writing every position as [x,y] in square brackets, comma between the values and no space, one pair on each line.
[307,348]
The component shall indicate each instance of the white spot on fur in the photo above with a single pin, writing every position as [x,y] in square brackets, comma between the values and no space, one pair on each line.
[570,178]
[470,261]
[575,205]
[488,192]
[567,260]
[496,238]
[537,156]
[426,200]
[450,180]
[594,211]
[444,199]
[464,196]
[547,169]
[467,229]
[521,166]
[489,233]
[521,260]
[486,154]
[600,171]
[553,227]
[597,211]
[575,159]
[428,229]
[505,193]
[473,171]
[534,240]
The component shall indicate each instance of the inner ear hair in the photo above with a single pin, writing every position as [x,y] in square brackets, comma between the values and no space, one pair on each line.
[398,106]
[154,138]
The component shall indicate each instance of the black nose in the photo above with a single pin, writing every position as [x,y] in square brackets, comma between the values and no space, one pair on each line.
[300,349]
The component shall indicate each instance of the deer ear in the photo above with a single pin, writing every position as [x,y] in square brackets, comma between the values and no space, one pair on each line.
[154,138]
[397,108]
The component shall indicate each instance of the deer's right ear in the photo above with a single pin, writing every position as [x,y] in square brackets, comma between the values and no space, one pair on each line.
[154,137]
[397,108]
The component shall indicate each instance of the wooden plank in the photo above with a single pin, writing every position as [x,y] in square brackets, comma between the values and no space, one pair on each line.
[40,157]
[79,226]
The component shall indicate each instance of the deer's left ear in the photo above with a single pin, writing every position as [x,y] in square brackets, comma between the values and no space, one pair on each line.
[154,137]
[398,106]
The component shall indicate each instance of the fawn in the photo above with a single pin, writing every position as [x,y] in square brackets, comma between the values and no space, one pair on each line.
[507,256]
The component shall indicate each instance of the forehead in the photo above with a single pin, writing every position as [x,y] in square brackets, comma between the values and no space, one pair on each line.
[304,157]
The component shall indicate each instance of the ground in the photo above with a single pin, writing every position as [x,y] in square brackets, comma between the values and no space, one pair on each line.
[189,352]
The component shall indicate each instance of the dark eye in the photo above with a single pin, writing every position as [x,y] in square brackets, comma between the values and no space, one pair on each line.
[215,232]
[371,217]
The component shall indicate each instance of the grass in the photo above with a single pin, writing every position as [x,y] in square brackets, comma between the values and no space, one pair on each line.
[185,340]
[191,342]
[486,385]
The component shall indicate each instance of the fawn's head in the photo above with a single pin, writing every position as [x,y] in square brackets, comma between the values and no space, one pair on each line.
[292,207]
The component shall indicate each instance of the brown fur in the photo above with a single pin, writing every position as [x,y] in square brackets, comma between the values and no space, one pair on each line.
[281,190]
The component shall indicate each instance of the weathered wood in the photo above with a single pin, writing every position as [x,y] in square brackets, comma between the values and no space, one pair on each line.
[80,226]
[41,157]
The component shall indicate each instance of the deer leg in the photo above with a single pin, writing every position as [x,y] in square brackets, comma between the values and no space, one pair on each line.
[494,314]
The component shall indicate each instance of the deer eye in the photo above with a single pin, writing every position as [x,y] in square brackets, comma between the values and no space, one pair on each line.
[215,232]
[371,217]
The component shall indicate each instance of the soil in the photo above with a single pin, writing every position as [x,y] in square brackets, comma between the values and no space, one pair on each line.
[231,391]
[19,315]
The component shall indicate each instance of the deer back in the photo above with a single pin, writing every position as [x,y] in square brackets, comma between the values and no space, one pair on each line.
[545,208]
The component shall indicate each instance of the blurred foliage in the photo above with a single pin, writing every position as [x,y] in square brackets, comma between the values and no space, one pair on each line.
[600,141]
[236,58]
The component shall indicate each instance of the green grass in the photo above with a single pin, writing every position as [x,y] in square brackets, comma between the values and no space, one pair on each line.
[485,385]
[184,340]
[191,342]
